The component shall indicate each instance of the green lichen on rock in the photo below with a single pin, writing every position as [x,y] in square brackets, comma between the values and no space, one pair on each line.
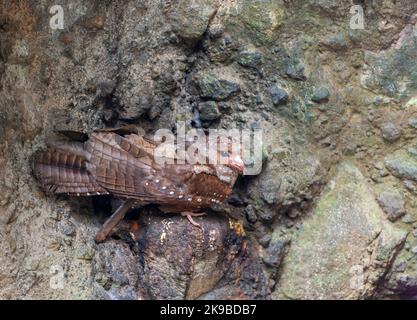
[209,111]
[320,95]
[393,72]
[330,258]
[258,20]
[211,87]
[250,59]
[290,172]
[402,165]
[262,18]
[190,21]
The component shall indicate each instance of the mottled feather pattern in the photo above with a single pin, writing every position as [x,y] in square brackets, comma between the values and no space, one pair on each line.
[124,165]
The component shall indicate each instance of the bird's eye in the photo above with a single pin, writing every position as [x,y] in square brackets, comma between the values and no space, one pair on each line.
[224,154]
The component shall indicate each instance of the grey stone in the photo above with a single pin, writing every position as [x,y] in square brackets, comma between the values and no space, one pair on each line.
[402,165]
[116,271]
[294,213]
[258,99]
[407,286]
[217,89]
[412,122]
[336,42]
[235,200]
[278,95]
[209,111]
[250,214]
[67,228]
[251,59]
[383,173]
[190,20]
[215,30]
[412,151]
[400,267]
[390,132]
[266,214]
[392,202]
[221,49]
[275,253]
[296,71]
[265,240]
[350,148]
[410,185]
[269,197]
[320,95]
[408,219]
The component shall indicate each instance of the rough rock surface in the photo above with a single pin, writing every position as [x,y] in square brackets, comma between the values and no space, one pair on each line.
[392,202]
[347,232]
[322,93]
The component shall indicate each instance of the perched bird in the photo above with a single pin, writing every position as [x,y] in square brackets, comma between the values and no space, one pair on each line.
[123,163]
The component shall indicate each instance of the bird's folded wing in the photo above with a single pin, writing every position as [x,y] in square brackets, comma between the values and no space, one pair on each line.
[118,165]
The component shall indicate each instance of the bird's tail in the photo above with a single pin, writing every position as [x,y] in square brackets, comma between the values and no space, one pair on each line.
[62,168]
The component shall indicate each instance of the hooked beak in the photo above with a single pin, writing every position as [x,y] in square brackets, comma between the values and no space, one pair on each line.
[237,164]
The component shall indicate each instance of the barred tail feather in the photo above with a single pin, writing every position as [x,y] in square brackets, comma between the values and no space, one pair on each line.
[62,169]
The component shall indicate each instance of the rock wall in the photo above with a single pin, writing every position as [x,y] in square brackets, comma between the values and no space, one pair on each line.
[334,209]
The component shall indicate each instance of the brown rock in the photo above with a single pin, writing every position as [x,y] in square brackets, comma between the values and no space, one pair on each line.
[180,260]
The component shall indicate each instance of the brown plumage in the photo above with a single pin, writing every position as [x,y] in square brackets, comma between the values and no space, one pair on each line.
[123,163]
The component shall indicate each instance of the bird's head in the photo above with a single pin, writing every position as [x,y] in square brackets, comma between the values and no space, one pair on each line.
[233,161]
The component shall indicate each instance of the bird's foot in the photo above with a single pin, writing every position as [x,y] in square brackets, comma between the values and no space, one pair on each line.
[190,216]
[111,222]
